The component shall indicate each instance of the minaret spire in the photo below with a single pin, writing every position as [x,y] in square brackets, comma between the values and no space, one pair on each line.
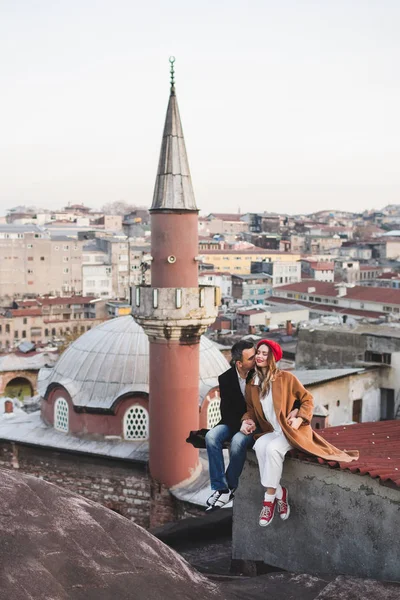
[173,189]
[174,311]
[172,71]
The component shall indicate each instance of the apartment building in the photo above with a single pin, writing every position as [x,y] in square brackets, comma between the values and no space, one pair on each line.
[32,263]
[252,288]
[238,262]
[46,318]
[318,270]
[357,301]
[217,279]
[281,272]
[129,263]
[226,224]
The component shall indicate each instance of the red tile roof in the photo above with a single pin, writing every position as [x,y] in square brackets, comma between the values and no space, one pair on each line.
[251,311]
[378,444]
[26,312]
[358,292]
[255,250]
[355,312]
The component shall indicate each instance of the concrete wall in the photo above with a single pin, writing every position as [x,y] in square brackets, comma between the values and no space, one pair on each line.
[320,348]
[340,523]
[338,396]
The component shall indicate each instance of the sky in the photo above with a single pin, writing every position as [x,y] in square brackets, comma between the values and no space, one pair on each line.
[289,106]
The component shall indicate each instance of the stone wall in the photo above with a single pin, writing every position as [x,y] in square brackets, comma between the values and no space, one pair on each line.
[120,486]
[340,523]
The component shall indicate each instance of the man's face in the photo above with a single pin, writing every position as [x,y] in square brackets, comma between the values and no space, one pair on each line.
[248,359]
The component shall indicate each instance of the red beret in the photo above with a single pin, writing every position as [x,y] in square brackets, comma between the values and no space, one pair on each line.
[275,348]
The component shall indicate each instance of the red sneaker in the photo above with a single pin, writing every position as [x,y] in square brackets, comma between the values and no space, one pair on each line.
[283,505]
[267,513]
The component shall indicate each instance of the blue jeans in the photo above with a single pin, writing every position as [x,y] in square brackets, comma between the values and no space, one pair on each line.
[240,442]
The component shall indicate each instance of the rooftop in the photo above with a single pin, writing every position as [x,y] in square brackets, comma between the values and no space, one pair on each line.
[357,292]
[378,444]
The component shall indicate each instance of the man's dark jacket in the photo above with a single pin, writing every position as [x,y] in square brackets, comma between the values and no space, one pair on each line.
[233,405]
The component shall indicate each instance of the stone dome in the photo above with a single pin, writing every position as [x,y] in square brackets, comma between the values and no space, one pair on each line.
[56,544]
[112,360]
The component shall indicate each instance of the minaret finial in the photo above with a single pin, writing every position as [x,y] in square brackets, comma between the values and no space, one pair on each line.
[172,60]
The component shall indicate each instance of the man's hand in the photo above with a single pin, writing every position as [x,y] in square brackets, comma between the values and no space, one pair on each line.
[295,422]
[248,426]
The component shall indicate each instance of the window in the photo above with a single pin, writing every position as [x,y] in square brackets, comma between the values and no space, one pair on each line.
[136,423]
[46,332]
[65,248]
[24,320]
[29,246]
[53,331]
[66,270]
[65,259]
[379,357]
[213,412]
[357,408]
[24,333]
[42,258]
[61,415]
[16,335]
[387,404]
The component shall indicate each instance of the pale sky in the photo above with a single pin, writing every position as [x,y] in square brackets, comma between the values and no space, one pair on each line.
[288,106]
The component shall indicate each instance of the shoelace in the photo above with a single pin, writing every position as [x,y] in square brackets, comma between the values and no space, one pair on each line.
[214,498]
[266,512]
[282,505]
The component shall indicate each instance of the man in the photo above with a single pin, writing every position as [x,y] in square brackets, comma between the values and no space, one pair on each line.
[232,386]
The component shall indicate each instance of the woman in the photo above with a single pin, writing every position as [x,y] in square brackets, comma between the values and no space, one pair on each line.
[269,399]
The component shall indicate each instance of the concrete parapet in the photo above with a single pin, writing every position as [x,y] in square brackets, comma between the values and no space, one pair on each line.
[340,523]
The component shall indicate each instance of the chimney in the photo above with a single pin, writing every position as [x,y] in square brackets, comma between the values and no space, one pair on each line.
[8,407]
[289,328]
[341,291]
[310,290]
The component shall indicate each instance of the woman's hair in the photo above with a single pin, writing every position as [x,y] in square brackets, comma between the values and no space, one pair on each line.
[267,374]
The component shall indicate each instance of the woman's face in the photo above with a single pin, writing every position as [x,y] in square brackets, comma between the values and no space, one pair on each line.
[262,355]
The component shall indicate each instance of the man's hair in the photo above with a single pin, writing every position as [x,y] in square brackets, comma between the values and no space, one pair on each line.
[237,350]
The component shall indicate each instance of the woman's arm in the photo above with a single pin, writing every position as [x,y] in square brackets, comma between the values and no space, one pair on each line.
[306,401]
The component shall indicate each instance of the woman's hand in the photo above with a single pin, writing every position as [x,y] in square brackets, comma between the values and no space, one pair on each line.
[292,415]
[295,422]
[248,426]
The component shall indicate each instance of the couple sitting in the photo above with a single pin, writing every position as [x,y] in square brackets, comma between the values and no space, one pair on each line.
[268,409]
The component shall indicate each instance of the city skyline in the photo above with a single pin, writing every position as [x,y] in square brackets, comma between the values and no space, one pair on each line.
[289,108]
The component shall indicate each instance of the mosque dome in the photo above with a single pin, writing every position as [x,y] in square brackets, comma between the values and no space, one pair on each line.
[112,360]
[105,372]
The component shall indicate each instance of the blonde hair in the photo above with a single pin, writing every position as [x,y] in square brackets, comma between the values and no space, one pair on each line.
[267,374]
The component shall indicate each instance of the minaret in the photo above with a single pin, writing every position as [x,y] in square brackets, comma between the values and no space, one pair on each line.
[174,311]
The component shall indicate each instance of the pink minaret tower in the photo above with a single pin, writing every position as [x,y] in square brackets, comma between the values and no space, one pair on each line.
[174,311]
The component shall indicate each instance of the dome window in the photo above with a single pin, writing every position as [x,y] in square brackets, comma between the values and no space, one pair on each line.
[61,416]
[136,423]
[213,413]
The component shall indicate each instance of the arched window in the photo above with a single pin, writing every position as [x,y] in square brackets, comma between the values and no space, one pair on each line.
[213,412]
[61,417]
[136,423]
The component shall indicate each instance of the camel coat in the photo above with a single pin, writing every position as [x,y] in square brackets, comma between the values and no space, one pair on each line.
[285,389]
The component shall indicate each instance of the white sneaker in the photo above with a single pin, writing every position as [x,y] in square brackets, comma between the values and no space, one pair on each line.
[218,499]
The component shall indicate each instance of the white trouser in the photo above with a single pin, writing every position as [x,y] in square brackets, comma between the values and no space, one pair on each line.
[270,449]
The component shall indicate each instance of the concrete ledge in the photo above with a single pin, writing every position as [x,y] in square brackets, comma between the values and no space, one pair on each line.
[340,523]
